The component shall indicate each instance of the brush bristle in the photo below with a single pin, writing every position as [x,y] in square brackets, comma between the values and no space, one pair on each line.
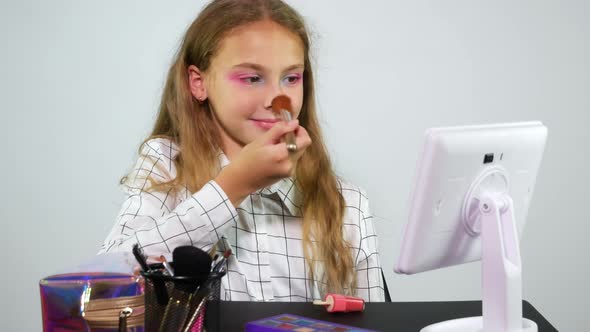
[227,253]
[281,102]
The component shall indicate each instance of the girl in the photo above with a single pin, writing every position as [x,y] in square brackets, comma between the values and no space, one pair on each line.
[215,172]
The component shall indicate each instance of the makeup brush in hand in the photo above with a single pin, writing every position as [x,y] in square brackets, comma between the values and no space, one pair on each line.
[281,105]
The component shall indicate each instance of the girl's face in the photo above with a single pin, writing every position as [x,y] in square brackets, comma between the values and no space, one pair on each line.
[254,64]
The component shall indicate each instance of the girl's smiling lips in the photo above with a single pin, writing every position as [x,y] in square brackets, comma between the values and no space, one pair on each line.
[265,123]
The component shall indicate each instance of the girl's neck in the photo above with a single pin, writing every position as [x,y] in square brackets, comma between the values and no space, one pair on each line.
[230,147]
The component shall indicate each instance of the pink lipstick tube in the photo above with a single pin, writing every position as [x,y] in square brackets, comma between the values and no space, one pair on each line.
[342,303]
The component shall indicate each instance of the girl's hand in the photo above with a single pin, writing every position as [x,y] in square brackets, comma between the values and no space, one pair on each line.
[263,162]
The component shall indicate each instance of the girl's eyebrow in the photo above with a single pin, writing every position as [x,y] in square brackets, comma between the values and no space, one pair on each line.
[261,68]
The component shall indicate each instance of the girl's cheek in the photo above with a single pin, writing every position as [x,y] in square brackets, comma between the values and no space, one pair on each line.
[243,105]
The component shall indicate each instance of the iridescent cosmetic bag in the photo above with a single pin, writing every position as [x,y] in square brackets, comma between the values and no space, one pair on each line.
[102,288]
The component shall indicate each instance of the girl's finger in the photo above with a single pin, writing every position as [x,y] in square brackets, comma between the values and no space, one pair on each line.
[277,131]
[279,152]
[302,139]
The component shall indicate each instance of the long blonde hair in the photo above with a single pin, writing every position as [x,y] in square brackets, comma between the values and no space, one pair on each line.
[190,125]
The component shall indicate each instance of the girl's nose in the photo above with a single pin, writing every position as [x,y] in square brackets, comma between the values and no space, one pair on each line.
[274,91]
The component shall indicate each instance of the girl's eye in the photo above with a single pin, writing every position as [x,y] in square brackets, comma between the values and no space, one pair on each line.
[292,79]
[251,79]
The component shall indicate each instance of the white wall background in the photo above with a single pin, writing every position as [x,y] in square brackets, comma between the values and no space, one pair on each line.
[80,82]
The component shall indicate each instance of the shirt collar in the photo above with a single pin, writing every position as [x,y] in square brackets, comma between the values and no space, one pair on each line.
[285,189]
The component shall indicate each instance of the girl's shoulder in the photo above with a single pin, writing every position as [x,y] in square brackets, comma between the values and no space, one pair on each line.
[155,162]
[354,195]
[358,218]
[160,148]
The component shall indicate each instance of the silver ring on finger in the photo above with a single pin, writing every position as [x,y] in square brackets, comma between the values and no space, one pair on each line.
[292,147]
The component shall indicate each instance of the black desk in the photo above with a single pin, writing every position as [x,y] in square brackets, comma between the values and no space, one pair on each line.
[393,316]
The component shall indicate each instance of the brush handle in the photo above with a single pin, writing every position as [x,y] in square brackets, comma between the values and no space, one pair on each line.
[289,137]
[138,253]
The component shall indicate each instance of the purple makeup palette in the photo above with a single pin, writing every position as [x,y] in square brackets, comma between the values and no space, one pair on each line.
[288,322]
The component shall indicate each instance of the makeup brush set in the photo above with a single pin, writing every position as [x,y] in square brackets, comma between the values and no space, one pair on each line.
[176,293]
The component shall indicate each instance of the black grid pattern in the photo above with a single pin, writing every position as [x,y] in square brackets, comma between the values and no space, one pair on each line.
[264,232]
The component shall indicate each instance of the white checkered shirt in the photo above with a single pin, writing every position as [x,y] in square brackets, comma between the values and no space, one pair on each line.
[264,232]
